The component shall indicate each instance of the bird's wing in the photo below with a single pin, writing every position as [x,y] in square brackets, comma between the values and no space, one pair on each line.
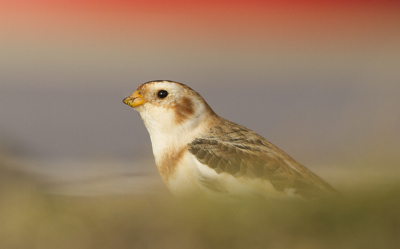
[257,159]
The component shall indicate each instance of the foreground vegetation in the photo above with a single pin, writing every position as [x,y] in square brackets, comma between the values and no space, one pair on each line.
[30,218]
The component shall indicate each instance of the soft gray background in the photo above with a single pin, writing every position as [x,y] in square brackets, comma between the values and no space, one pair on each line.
[327,119]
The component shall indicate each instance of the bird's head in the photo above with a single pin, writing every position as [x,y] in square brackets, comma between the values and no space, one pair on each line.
[166,106]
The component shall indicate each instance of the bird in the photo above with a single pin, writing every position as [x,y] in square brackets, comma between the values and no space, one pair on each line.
[199,153]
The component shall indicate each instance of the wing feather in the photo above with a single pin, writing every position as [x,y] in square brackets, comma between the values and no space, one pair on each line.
[249,156]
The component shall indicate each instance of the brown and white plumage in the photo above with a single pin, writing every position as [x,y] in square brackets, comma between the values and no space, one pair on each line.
[198,152]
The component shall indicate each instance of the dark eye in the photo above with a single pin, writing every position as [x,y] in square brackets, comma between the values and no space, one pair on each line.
[162,94]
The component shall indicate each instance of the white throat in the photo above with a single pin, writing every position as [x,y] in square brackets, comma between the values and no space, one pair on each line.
[166,133]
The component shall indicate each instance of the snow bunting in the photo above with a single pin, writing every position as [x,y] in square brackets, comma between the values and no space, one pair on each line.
[196,151]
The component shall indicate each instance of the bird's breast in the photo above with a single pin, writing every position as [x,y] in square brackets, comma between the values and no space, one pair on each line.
[167,162]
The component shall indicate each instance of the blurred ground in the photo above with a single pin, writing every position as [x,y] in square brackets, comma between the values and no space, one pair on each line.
[120,208]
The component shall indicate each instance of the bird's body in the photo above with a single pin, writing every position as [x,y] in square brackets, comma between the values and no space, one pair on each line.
[198,152]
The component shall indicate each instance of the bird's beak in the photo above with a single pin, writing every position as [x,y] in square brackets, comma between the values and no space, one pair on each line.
[135,99]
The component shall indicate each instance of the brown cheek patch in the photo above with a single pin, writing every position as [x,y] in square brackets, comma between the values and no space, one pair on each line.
[183,110]
[169,162]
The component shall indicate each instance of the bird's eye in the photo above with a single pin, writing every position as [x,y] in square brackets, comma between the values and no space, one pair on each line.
[162,94]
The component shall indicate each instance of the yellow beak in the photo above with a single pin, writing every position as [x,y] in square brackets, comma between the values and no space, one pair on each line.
[135,99]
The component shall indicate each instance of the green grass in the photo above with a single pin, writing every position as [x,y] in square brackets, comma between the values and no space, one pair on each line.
[30,218]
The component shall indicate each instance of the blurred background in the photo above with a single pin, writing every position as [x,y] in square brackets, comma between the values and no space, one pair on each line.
[321,80]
